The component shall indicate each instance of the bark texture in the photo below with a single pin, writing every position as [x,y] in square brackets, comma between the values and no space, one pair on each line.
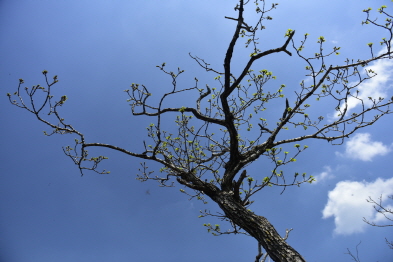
[258,227]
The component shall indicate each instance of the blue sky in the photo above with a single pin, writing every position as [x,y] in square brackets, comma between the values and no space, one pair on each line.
[48,212]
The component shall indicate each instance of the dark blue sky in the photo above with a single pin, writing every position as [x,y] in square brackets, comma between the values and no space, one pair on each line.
[48,212]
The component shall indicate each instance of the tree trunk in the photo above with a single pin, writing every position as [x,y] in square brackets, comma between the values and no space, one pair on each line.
[258,227]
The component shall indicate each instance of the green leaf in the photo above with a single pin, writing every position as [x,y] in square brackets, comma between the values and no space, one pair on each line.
[288,33]
[321,39]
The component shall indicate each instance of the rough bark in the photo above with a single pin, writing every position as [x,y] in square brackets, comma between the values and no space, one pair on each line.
[196,158]
[258,227]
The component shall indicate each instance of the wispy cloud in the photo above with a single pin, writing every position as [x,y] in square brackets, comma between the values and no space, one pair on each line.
[375,87]
[363,148]
[325,175]
[347,204]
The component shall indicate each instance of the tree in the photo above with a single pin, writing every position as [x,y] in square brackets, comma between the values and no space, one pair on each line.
[384,211]
[210,148]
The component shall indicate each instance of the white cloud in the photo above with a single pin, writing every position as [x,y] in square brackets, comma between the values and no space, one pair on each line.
[375,87]
[347,204]
[380,219]
[327,174]
[361,147]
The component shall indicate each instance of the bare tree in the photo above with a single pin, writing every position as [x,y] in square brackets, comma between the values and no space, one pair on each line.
[353,256]
[210,147]
[385,212]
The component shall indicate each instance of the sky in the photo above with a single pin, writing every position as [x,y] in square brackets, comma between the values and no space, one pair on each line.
[48,212]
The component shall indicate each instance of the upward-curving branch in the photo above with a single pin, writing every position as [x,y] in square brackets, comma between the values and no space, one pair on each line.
[207,149]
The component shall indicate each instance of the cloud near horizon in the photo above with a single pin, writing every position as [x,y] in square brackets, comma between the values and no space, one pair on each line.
[361,147]
[347,204]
